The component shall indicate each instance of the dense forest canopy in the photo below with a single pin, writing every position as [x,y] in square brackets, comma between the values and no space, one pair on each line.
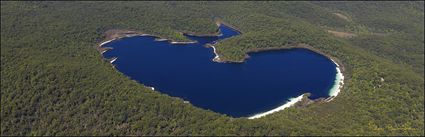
[55,82]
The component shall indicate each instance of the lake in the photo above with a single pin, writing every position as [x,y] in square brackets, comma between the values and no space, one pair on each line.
[263,82]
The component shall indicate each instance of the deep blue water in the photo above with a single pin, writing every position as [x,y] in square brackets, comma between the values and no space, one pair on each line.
[263,82]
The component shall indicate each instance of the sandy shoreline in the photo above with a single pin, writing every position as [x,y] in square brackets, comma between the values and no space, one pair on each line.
[339,83]
[161,39]
[216,58]
[103,43]
[113,60]
[291,102]
[189,42]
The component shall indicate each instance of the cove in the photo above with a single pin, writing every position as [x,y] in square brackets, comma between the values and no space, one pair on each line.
[263,82]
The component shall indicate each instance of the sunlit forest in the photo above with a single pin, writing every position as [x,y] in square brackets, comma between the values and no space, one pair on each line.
[54,81]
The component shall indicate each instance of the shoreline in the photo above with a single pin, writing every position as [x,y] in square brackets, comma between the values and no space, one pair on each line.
[156,39]
[177,42]
[120,36]
[103,43]
[289,103]
[117,34]
[216,58]
[113,60]
[338,84]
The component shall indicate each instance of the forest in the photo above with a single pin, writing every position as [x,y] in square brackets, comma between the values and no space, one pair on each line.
[55,82]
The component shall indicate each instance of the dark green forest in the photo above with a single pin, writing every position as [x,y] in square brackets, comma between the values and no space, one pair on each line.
[55,82]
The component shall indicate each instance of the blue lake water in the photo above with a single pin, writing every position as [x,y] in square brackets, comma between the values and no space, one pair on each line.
[263,82]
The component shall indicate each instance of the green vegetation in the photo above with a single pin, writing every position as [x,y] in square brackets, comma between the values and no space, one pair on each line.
[55,82]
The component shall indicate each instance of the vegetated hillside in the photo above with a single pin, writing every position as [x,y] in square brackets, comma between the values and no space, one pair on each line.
[55,82]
